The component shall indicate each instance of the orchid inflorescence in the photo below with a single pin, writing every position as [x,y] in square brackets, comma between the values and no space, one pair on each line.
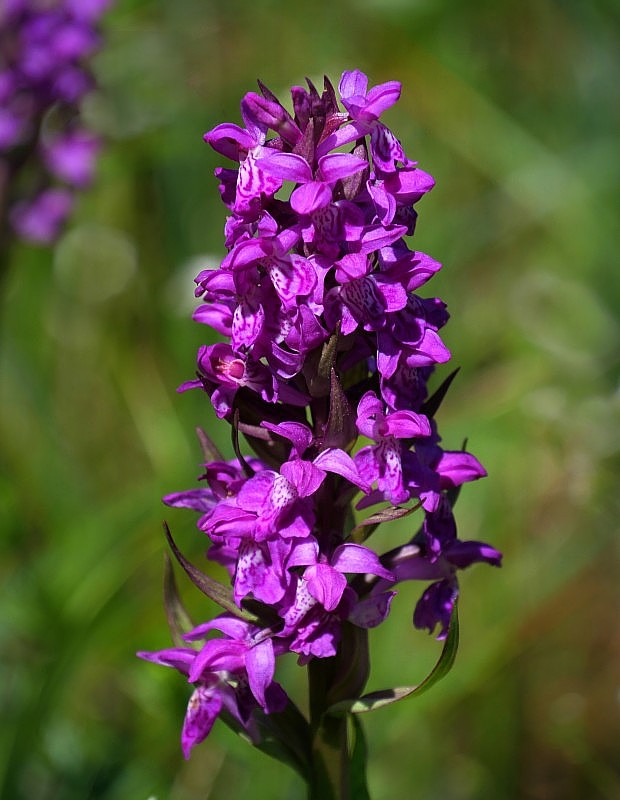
[46,153]
[326,354]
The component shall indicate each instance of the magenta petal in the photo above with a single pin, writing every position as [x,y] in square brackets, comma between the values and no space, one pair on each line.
[377,236]
[180,658]
[253,492]
[325,584]
[298,434]
[287,166]
[335,460]
[197,499]
[340,165]
[408,185]
[202,710]
[381,97]
[311,197]
[252,182]
[231,626]
[463,554]
[292,277]
[260,663]
[304,553]
[345,135]
[408,424]
[457,467]
[217,655]
[228,139]
[353,83]
[359,559]
[372,610]
[304,475]
[385,202]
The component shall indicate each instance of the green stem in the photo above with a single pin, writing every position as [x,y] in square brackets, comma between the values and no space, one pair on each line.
[330,773]
[330,681]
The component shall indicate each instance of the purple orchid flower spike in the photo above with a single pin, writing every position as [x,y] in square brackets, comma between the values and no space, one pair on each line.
[324,360]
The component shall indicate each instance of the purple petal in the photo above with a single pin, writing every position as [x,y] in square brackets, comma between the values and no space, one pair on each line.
[252,182]
[335,460]
[462,554]
[357,558]
[287,166]
[311,197]
[435,607]
[229,139]
[457,467]
[408,424]
[232,626]
[300,435]
[217,655]
[255,575]
[382,97]
[292,277]
[345,135]
[340,165]
[197,499]
[353,83]
[180,658]
[377,236]
[260,663]
[202,710]
[372,610]
[304,475]
[408,185]
[325,584]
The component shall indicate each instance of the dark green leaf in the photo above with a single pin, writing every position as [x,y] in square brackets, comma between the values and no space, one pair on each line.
[209,449]
[215,590]
[358,787]
[431,406]
[179,620]
[385,697]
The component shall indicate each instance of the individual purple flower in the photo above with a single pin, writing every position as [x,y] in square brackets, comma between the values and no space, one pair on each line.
[234,672]
[383,462]
[436,555]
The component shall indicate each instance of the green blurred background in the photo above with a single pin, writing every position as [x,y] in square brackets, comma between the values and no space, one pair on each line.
[513,107]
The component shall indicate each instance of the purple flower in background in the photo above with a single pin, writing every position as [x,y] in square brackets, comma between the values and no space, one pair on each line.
[43,66]
[327,353]
[40,220]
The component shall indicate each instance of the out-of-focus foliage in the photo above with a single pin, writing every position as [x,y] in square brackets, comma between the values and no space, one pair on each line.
[513,108]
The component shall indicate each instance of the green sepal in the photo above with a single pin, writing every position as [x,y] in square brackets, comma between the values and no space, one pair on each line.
[367,526]
[213,589]
[385,697]
[209,449]
[431,406]
[179,621]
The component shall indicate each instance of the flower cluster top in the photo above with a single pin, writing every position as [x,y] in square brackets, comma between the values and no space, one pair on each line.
[326,353]
[43,48]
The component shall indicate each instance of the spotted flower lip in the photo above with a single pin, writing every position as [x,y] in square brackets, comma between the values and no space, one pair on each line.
[324,366]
